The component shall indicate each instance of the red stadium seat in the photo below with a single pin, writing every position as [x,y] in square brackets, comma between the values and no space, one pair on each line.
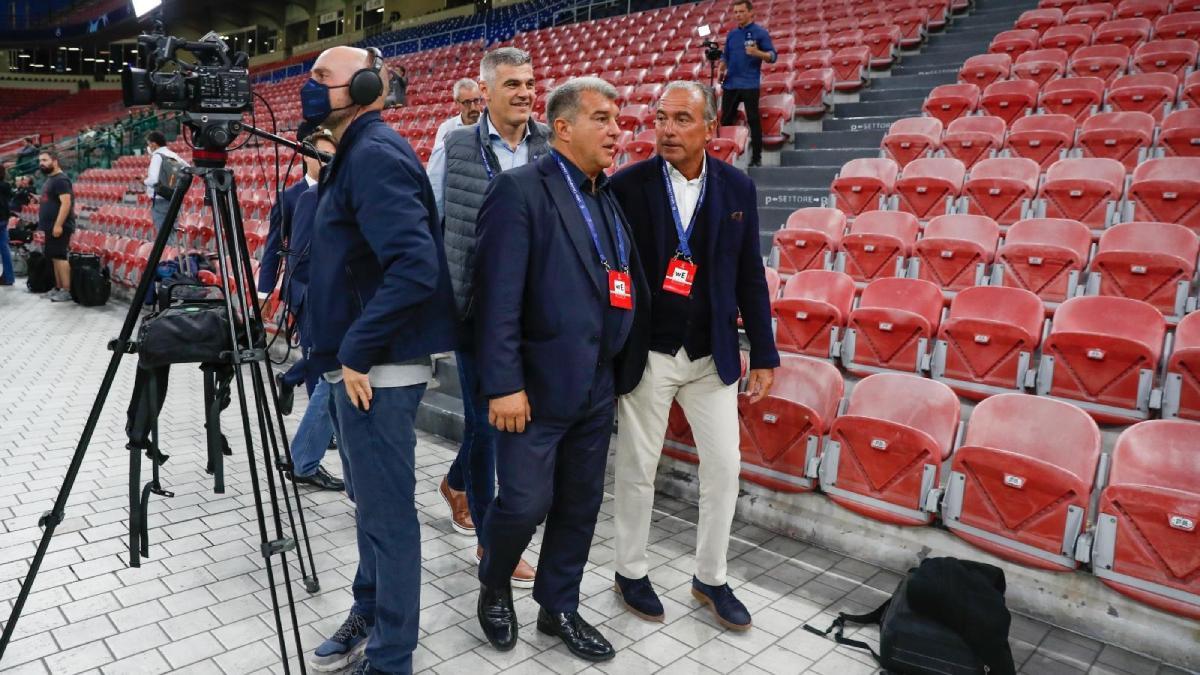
[1022,491]
[1142,9]
[1180,133]
[775,112]
[811,90]
[1179,25]
[878,244]
[1002,188]
[778,83]
[1039,19]
[1102,354]
[630,76]
[784,63]
[1190,95]
[1107,62]
[1089,15]
[635,117]
[1078,97]
[971,139]
[1042,138]
[1014,42]
[955,251]
[1045,256]
[950,101]
[863,184]
[660,74]
[1123,136]
[1040,65]
[782,433]
[646,94]
[643,146]
[845,37]
[1066,38]
[884,43]
[912,23]
[984,69]
[851,66]
[1152,93]
[1176,57]
[1010,99]
[1151,262]
[1131,32]
[1181,391]
[820,58]
[987,342]
[886,451]
[893,326]
[1167,190]
[912,138]
[809,239]
[1145,536]
[929,187]
[812,313]
[1088,190]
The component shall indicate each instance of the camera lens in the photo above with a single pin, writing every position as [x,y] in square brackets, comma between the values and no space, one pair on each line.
[136,88]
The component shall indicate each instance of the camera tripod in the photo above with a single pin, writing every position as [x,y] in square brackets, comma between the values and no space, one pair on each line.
[249,353]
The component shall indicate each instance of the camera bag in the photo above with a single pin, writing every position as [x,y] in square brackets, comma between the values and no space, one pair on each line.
[195,330]
[90,282]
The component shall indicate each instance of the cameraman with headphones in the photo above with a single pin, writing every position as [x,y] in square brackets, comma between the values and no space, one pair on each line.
[380,299]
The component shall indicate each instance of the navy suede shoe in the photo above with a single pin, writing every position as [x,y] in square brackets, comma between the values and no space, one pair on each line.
[730,611]
[639,597]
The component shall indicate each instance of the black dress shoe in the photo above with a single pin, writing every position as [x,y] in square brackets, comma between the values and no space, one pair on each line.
[639,597]
[287,395]
[321,479]
[578,635]
[497,617]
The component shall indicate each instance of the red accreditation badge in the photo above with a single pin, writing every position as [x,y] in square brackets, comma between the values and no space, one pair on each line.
[620,289]
[680,275]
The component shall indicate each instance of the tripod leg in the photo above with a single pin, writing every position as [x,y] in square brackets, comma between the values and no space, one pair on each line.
[219,185]
[51,519]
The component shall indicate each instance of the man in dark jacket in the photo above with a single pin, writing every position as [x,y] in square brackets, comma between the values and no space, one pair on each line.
[695,225]
[556,281]
[505,138]
[380,298]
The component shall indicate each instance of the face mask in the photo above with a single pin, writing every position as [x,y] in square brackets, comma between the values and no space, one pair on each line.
[314,101]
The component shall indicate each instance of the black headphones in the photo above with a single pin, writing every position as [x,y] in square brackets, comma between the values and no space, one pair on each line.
[366,84]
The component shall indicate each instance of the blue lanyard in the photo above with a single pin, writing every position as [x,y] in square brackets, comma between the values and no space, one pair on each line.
[683,234]
[587,218]
[486,165]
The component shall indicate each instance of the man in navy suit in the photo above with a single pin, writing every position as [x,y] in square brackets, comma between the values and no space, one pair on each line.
[557,281]
[695,227]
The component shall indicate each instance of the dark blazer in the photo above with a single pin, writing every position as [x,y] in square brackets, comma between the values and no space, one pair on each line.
[283,210]
[735,276]
[295,280]
[541,294]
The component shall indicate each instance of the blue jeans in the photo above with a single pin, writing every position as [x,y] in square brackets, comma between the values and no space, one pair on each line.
[378,449]
[6,255]
[314,433]
[474,469]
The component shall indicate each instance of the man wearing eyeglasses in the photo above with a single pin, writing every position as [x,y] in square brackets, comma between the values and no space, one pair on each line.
[469,100]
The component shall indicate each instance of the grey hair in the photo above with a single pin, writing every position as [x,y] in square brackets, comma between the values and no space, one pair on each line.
[463,85]
[563,102]
[504,56]
[710,102]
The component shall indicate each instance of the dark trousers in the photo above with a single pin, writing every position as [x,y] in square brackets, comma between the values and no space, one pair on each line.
[730,99]
[378,450]
[474,469]
[552,471]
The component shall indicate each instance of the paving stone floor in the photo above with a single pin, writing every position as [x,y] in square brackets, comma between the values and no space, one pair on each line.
[199,604]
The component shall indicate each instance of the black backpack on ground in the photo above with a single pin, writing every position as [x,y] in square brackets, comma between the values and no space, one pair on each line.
[90,282]
[41,273]
[947,617]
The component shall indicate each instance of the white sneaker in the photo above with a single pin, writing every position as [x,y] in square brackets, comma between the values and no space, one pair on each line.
[60,296]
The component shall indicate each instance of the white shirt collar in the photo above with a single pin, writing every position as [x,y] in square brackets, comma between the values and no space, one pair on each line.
[310,181]
[680,178]
[492,133]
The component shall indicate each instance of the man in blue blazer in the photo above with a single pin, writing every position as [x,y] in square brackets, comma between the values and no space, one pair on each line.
[695,226]
[556,284]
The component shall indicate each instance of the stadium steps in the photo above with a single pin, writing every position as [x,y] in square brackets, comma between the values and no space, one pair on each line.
[854,129]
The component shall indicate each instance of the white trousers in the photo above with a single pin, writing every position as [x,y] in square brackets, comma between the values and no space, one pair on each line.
[711,409]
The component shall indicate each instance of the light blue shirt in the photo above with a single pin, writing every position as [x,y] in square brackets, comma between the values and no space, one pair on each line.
[510,158]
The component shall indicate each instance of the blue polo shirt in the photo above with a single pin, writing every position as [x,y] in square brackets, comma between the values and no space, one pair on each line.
[743,71]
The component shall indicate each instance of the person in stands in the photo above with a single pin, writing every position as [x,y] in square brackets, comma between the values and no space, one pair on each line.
[695,226]
[746,47]
[56,218]
[506,137]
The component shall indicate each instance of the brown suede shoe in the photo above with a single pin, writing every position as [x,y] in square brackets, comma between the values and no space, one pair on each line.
[522,577]
[460,514]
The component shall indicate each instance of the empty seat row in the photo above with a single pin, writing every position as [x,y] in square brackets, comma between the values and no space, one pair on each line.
[1107,62]
[1127,31]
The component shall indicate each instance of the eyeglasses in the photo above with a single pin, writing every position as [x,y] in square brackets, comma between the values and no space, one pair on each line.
[471,101]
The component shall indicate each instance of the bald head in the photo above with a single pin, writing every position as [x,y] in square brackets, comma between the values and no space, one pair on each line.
[334,68]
